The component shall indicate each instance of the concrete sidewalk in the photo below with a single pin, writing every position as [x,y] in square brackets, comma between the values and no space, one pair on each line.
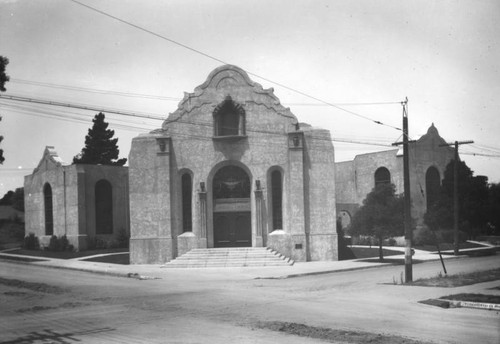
[279,272]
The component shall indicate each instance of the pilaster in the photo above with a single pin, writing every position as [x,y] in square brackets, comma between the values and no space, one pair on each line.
[202,195]
[296,199]
[259,217]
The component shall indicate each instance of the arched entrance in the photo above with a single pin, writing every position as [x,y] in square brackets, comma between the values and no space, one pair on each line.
[231,195]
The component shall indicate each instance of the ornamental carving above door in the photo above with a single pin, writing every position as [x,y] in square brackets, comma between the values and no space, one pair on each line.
[231,182]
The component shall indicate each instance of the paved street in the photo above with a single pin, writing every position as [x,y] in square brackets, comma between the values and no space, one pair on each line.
[226,305]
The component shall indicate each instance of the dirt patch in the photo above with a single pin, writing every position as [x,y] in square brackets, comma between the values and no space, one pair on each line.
[336,335]
[46,308]
[38,287]
[459,280]
[436,302]
[15,293]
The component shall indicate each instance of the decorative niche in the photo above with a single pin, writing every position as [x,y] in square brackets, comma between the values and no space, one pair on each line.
[229,121]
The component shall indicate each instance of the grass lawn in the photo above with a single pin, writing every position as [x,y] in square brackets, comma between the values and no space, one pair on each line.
[445,301]
[459,280]
[473,298]
[446,246]
[364,252]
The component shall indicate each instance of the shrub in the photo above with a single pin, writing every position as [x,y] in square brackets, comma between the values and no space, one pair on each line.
[391,242]
[15,230]
[447,236]
[363,240]
[54,244]
[424,236]
[123,239]
[31,242]
[96,243]
[57,244]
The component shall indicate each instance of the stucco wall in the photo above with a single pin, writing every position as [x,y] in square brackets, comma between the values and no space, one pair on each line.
[73,199]
[193,149]
[356,178]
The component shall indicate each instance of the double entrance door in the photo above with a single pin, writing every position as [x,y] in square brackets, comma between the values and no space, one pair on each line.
[232,219]
[232,229]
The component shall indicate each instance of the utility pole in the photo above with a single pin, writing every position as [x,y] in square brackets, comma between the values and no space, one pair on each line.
[455,194]
[407,213]
[407,196]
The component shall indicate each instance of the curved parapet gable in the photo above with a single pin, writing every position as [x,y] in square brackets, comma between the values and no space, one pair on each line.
[227,80]
[432,138]
[50,160]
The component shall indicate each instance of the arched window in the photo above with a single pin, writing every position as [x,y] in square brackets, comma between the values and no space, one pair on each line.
[49,216]
[229,119]
[432,185]
[344,219]
[187,197]
[382,176]
[231,182]
[277,199]
[103,207]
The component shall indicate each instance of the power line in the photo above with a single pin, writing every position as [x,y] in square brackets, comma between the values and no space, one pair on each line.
[224,62]
[360,142]
[344,104]
[158,97]
[92,90]
[179,120]
[481,154]
[76,118]
[82,107]
[136,126]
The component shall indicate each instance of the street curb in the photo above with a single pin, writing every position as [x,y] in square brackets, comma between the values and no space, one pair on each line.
[41,262]
[352,269]
[472,304]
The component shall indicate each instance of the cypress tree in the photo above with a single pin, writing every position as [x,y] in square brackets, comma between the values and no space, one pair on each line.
[100,146]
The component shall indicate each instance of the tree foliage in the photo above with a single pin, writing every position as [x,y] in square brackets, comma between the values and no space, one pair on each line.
[381,215]
[493,210]
[3,75]
[100,146]
[473,199]
[14,199]
[3,79]
[7,198]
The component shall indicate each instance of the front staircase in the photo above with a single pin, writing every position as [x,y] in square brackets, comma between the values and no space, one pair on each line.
[229,257]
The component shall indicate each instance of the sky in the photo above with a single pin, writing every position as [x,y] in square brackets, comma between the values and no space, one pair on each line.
[363,56]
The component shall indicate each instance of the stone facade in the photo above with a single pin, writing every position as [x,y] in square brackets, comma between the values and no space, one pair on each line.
[61,200]
[232,167]
[427,161]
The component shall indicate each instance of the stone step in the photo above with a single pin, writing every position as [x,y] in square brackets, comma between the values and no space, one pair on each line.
[230,257]
[225,255]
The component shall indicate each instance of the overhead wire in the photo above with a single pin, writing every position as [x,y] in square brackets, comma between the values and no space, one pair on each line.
[79,106]
[92,90]
[69,117]
[121,112]
[158,97]
[224,62]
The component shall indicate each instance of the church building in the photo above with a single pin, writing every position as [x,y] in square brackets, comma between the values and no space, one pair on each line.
[83,202]
[428,158]
[232,167]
